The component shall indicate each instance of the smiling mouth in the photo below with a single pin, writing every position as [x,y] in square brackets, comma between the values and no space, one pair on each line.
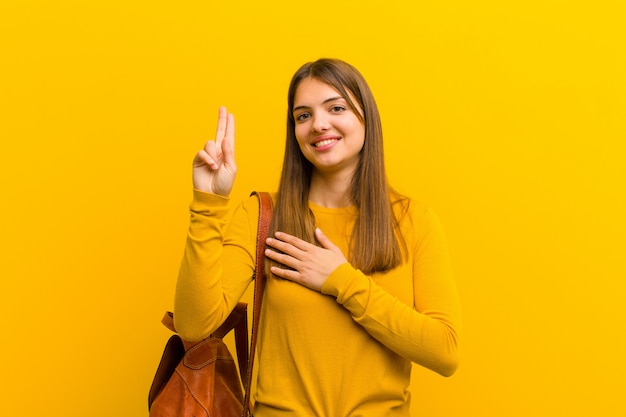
[324,142]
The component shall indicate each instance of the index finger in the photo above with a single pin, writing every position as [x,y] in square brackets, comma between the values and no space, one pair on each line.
[287,239]
[222,124]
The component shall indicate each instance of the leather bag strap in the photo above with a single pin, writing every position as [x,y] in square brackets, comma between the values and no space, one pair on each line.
[265,218]
[237,320]
[241,340]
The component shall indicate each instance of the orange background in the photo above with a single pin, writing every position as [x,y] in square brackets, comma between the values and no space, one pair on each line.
[506,117]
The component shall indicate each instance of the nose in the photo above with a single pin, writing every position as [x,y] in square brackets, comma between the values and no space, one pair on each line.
[320,122]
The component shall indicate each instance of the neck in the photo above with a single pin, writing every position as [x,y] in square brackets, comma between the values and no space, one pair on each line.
[332,191]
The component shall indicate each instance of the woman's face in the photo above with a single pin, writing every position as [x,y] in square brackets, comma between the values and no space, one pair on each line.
[329,133]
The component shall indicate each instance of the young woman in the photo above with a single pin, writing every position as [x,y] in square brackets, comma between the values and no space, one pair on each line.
[360,283]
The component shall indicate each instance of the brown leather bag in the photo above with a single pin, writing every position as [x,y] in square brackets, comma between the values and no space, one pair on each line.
[200,379]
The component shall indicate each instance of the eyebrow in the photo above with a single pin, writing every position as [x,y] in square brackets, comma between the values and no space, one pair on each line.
[323,102]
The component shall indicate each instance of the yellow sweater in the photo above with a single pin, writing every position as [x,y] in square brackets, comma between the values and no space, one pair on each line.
[344,352]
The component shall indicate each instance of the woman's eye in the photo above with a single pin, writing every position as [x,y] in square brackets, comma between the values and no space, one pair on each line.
[337,109]
[302,117]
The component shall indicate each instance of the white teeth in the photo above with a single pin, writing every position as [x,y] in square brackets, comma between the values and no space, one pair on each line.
[324,142]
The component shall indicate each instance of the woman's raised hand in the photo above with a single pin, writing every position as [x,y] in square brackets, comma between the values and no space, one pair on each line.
[214,167]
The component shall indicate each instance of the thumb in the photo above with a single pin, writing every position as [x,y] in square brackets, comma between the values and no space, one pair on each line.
[323,240]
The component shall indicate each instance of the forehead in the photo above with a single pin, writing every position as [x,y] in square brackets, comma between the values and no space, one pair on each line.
[312,91]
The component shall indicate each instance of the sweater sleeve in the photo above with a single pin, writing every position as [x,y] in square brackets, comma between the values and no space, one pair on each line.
[426,333]
[217,264]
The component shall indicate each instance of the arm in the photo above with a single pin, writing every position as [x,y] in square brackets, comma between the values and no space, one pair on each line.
[214,271]
[217,265]
[425,332]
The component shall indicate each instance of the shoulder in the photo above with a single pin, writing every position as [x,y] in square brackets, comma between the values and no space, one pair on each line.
[245,218]
[406,208]
[248,208]
[414,217]
[250,204]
